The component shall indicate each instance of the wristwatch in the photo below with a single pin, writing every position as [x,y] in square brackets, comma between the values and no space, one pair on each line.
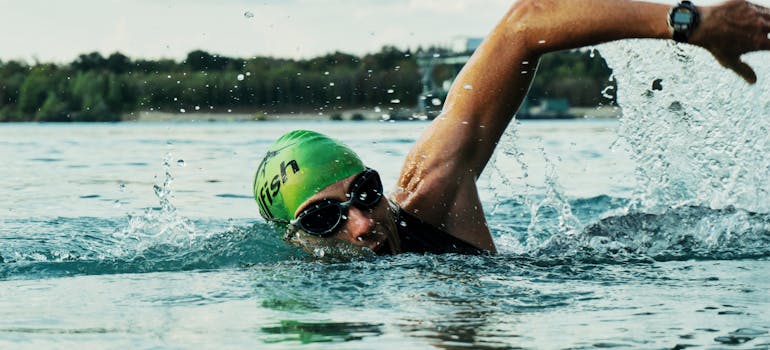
[683,19]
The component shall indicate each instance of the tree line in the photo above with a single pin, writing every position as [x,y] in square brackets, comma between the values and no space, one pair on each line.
[97,88]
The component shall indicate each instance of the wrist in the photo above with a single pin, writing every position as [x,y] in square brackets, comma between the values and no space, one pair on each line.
[683,20]
[698,36]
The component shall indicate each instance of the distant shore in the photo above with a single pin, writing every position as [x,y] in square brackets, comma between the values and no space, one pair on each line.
[353,114]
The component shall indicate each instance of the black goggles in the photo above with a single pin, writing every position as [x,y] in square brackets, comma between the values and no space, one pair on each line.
[324,217]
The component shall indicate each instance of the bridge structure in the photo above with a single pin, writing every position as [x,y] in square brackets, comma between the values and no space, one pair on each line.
[433,93]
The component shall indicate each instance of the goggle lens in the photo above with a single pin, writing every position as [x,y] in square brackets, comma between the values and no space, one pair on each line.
[324,217]
[321,217]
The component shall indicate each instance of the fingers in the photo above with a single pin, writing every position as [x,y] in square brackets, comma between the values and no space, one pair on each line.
[744,70]
[739,67]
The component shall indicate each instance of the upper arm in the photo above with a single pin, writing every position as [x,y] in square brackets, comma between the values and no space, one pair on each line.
[438,178]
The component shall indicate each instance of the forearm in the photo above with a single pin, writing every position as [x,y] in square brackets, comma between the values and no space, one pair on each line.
[552,25]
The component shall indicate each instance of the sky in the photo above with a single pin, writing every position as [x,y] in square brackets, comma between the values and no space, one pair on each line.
[58,31]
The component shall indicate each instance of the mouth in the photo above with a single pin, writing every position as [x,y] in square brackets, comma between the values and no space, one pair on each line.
[380,247]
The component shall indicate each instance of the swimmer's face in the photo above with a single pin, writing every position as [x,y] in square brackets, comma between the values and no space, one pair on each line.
[373,228]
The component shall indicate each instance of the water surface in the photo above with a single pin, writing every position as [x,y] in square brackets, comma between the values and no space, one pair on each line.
[647,232]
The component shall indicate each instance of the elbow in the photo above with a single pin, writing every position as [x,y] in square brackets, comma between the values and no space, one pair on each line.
[530,22]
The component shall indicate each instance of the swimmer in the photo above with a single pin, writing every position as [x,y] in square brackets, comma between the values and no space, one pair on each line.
[324,195]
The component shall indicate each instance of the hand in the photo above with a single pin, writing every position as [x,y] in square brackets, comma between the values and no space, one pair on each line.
[732,29]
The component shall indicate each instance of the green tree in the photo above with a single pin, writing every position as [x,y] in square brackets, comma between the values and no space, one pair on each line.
[118,63]
[89,61]
[53,109]
[34,91]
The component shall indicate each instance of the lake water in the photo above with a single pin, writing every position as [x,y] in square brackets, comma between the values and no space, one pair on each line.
[647,232]
[95,256]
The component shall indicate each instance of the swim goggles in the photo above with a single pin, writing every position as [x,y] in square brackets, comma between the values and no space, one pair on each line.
[324,217]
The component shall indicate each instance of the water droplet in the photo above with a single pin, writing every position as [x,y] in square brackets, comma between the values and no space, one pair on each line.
[395,101]
[248,14]
[525,62]
[116,203]
[390,91]
[402,223]
[122,187]
[468,87]
[386,117]
[338,97]
[182,110]
[326,73]
[541,42]
[240,77]
[197,108]
[331,84]
[181,163]
[377,109]
[435,55]
[524,72]
[436,102]
[607,90]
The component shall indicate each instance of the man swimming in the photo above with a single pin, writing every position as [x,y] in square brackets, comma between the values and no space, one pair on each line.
[325,195]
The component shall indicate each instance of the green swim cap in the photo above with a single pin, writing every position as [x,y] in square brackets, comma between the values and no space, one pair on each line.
[298,165]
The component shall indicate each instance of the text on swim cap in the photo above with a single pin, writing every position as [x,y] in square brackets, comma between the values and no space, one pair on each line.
[270,189]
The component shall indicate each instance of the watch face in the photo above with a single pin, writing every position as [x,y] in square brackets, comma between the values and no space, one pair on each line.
[682,17]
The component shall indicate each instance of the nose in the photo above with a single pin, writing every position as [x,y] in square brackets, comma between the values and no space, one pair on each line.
[359,223]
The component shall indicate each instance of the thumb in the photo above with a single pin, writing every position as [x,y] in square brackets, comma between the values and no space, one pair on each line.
[740,68]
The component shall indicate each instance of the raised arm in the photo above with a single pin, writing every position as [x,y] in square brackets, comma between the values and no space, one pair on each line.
[438,178]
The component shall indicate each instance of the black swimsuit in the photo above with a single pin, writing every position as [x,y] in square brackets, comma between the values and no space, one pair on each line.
[420,237]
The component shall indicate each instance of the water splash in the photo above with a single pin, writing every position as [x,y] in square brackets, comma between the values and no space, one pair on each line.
[676,234]
[541,208]
[697,132]
[698,135]
[161,225]
[158,239]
